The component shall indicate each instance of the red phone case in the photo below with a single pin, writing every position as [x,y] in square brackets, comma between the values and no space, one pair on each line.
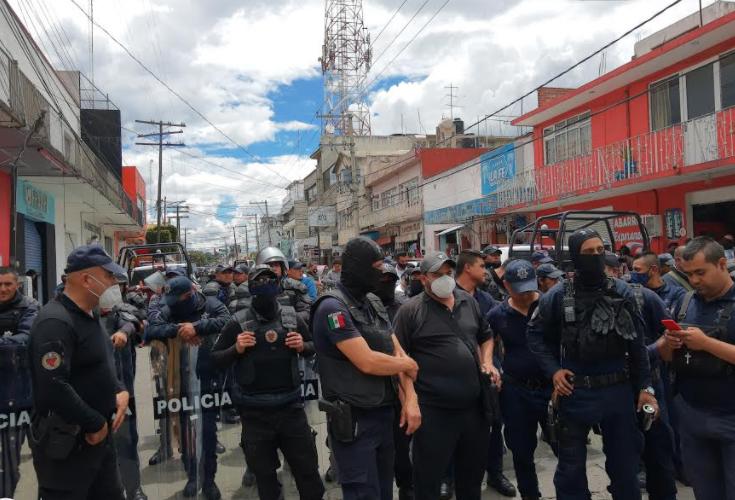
[671,325]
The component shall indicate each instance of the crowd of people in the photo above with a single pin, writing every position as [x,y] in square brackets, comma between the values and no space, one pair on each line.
[428,371]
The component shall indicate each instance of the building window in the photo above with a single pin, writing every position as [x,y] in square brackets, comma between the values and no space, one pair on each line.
[665,106]
[700,85]
[389,197]
[329,177]
[568,139]
[727,80]
[376,202]
[410,191]
[311,194]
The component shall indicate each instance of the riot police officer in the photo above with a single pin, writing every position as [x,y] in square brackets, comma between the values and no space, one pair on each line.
[193,320]
[703,358]
[494,280]
[386,291]
[221,287]
[582,332]
[263,343]
[240,274]
[75,390]
[17,313]
[357,357]
[294,293]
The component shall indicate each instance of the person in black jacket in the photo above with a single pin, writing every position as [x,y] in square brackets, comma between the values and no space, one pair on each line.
[75,389]
[193,320]
[263,343]
[17,313]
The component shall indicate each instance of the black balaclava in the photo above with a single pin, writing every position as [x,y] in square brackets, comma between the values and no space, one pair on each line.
[386,291]
[265,296]
[589,269]
[358,274]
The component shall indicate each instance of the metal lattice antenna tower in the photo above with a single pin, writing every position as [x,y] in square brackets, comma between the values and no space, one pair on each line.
[346,57]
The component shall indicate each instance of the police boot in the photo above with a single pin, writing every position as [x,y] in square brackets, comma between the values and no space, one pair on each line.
[501,484]
[139,495]
[231,416]
[405,493]
[330,476]
[191,488]
[446,490]
[219,448]
[248,478]
[159,457]
[210,491]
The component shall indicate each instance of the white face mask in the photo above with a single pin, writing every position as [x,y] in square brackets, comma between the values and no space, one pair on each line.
[443,287]
[111,297]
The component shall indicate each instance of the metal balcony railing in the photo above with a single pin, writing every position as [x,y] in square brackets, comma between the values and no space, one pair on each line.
[401,211]
[639,159]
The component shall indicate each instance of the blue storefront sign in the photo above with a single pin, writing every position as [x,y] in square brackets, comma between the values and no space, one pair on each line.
[461,212]
[497,166]
[35,203]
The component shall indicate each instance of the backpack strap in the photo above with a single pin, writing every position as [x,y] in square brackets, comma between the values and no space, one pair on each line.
[684,306]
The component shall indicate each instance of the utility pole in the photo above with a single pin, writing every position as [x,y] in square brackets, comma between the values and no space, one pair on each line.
[160,145]
[185,229]
[267,221]
[451,96]
[180,209]
[234,239]
[247,244]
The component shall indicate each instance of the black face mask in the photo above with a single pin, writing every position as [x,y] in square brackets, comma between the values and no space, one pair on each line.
[386,291]
[492,265]
[589,269]
[415,287]
[265,299]
[358,274]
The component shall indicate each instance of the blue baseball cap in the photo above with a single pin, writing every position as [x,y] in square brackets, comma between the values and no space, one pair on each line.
[175,271]
[549,271]
[175,288]
[86,256]
[295,264]
[541,258]
[521,276]
[666,259]
[491,250]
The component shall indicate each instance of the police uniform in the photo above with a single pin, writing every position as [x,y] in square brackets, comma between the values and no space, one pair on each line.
[365,456]
[269,396]
[705,402]
[293,293]
[589,326]
[241,299]
[208,315]
[16,318]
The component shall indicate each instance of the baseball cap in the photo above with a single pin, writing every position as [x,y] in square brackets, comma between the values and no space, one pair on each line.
[521,276]
[86,256]
[666,259]
[491,250]
[611,260]
[549,271]
[242,269]
[295,264]
[223,269]
[434,261]
[176,287]
[175,271]
[541,257]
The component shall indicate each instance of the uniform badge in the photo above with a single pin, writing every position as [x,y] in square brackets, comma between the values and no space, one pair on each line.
[523,273]
[271,336]
[336,320]
[51,360]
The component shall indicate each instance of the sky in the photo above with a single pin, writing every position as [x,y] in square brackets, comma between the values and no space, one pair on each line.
[251,69]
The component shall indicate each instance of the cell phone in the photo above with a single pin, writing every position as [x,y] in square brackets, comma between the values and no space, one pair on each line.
[671,325]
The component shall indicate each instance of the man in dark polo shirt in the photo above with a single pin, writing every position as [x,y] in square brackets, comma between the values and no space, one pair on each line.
[443,330]
[75,389]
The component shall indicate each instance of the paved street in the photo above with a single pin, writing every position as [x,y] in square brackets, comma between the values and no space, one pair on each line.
[167,480]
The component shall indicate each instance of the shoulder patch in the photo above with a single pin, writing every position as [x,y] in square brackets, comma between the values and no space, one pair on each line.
[51,360]
[336,320]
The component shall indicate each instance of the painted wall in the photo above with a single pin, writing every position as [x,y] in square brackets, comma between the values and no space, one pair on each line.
[5,223]
[435,161]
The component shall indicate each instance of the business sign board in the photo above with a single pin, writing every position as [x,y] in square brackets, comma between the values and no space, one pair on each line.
[497,166]
[323,216]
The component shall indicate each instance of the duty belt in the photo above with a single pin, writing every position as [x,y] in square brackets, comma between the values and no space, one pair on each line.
[532,384]
[599,381]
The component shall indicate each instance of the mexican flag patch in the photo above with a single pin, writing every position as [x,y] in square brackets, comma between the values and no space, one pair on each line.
[336,320]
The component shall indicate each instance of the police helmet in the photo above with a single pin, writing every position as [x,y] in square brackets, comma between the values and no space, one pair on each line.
[259,270]
[271,254]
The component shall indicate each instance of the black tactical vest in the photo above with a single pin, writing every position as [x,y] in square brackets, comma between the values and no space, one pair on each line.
[269,367]
[701,363]
[15,376]
[341,379]
[581,339]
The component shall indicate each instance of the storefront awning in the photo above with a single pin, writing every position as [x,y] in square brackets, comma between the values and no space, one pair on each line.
[450,230]
[405,238]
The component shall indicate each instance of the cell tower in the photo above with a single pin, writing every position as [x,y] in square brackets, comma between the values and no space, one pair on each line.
[346,56]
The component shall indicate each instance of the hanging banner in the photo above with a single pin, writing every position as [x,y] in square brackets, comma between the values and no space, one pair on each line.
[323,216]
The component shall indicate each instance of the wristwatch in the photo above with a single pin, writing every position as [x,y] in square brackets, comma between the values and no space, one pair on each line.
[650,391]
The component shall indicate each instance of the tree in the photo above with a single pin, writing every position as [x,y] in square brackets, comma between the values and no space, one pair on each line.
[202,259]
[168,233]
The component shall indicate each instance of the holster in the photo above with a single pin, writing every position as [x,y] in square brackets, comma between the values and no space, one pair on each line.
[340,421]
[553,422]
[54,437]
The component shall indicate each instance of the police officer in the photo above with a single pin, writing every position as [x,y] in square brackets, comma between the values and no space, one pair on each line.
[332,278]
[677,277]
[525,390]
[581,333]
[412,279]
[75,390]
[264,343]
[17,313]
[494,280]
[703,357]
[548,276]
[124,329]
[357,357]
[294,293]
[242,298]
[386,291]
[647,272]
[240,274]
[296,272]
[190,318]
[221,287]
[540,257]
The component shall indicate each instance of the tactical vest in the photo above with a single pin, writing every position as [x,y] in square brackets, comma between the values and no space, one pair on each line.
[701,363]
[339,377]
[585,337]
[15,376]
[269,367]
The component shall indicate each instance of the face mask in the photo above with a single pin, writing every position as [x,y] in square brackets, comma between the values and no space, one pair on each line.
[639,278]
[106,290]
[591,269]
[492,265]
[386,291]
[443,287]
[111,297]
[267,290]
[185,307]
[415,287]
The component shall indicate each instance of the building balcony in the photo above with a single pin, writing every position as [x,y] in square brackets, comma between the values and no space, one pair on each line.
[703,144]
[403,211]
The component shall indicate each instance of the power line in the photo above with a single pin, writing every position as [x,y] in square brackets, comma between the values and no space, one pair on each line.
[389,21]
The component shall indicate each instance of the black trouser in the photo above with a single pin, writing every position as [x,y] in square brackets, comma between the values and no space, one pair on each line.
[403,468]
[11,441]
[89,472]
[188,432]
[264,431]
[126,446]
[445,433]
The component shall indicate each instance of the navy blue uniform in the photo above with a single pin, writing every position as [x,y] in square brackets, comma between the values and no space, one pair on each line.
[611,406]
[706,407]
[525,394]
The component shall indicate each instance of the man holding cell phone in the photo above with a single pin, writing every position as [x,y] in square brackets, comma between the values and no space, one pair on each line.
[702,353]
